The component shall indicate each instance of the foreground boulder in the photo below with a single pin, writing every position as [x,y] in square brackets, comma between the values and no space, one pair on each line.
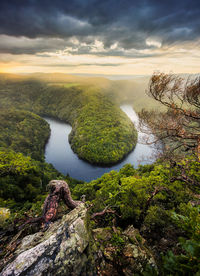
[58,251]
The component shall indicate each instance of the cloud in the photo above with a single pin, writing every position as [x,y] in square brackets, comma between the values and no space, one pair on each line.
[48,47]
[24,45]
[80,64]
[39,26]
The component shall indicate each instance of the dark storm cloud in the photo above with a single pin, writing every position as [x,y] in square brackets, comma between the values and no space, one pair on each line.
[126,22]
[23,45]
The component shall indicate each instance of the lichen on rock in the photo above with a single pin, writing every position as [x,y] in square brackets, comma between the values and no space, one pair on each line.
[58,251]
[123,252]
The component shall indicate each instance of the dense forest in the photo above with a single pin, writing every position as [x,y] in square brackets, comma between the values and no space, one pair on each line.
[161,201]
[24,132]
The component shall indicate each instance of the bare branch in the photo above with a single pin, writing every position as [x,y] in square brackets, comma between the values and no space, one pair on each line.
[178,127]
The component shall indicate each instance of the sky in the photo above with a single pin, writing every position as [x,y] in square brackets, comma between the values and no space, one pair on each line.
[111,37]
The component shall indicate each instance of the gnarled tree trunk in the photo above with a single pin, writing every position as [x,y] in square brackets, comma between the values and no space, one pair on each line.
[59,190]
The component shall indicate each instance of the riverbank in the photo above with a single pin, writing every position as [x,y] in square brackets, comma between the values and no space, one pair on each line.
[59,153]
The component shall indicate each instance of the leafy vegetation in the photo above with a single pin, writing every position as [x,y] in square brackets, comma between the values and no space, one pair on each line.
[22,178]
[187,263]
[150,199]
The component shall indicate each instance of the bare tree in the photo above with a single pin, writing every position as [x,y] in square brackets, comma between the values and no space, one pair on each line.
[178,128]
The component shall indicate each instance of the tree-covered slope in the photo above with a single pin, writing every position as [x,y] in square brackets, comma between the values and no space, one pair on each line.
[102,133]
[24,132]
[156,200]
[22,179]
[150,211]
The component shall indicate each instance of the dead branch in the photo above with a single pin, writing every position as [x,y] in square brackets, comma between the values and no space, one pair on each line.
[106,210]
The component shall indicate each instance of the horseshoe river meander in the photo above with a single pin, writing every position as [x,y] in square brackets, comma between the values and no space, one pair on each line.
[59,153]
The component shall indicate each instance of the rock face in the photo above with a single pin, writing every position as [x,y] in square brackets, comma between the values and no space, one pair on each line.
[58,251]
[68,247]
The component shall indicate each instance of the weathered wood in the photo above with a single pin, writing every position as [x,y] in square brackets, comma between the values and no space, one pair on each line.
[58,190]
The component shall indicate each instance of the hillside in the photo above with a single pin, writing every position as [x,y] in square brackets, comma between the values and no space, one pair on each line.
[23,132]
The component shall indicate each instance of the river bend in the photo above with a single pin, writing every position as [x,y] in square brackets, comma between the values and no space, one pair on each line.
[58,151]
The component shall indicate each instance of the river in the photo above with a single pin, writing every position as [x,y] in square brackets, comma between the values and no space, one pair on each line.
[59,153]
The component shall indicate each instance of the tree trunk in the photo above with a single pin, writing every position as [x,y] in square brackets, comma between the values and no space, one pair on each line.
[59,190]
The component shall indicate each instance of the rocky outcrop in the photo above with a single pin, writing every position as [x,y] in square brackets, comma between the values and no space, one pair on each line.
[70,247]
[61,250]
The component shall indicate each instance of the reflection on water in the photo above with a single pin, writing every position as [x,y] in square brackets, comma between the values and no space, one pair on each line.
[59,153]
